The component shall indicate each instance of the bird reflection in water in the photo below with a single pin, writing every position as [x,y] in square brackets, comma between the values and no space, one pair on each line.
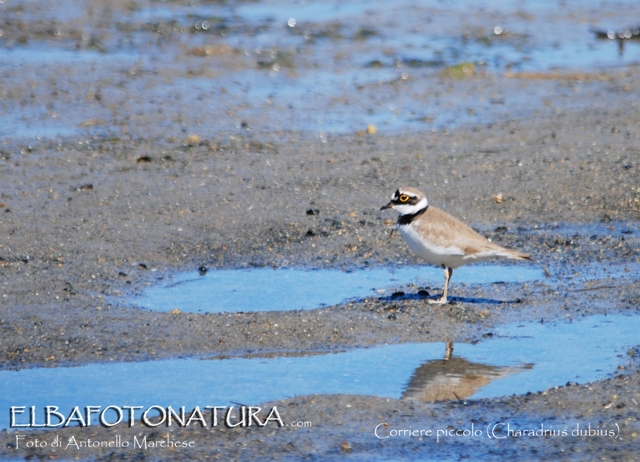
[453,378]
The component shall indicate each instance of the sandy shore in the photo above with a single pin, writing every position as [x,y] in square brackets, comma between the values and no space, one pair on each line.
[88,222]
[69,251]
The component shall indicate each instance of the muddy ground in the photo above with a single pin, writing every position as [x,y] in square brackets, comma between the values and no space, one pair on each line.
[86,222]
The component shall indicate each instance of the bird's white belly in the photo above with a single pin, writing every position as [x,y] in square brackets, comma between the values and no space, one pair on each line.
[432,253]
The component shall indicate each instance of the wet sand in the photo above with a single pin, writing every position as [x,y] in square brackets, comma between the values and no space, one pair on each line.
[88,221]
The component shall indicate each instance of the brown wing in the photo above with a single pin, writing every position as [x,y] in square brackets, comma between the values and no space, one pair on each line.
[443,230]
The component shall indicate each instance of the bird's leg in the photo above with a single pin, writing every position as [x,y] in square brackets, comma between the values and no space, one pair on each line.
[448,272]
[447,275]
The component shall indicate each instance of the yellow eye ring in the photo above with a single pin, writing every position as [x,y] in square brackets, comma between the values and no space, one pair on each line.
[403,198]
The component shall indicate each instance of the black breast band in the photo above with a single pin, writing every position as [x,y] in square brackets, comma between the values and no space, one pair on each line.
[408,218]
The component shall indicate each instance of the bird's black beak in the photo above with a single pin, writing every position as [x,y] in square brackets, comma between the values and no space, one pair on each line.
[388,206]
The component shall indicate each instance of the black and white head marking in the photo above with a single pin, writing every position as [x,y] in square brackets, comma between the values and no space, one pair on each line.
[410,202]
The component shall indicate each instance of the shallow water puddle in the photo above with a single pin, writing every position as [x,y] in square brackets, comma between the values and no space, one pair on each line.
[516,360]
[266,289]
[287,60]
[523,34]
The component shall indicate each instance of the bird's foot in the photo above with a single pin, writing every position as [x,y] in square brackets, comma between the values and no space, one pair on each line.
[438,301]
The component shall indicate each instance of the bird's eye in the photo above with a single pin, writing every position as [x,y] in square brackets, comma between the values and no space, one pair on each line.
[403,198]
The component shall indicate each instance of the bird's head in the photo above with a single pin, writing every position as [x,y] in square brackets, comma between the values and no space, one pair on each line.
[407,201]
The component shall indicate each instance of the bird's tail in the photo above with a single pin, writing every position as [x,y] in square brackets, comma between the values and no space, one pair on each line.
[515,255]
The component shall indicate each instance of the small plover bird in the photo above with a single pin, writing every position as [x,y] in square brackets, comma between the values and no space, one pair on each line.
[440,239]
